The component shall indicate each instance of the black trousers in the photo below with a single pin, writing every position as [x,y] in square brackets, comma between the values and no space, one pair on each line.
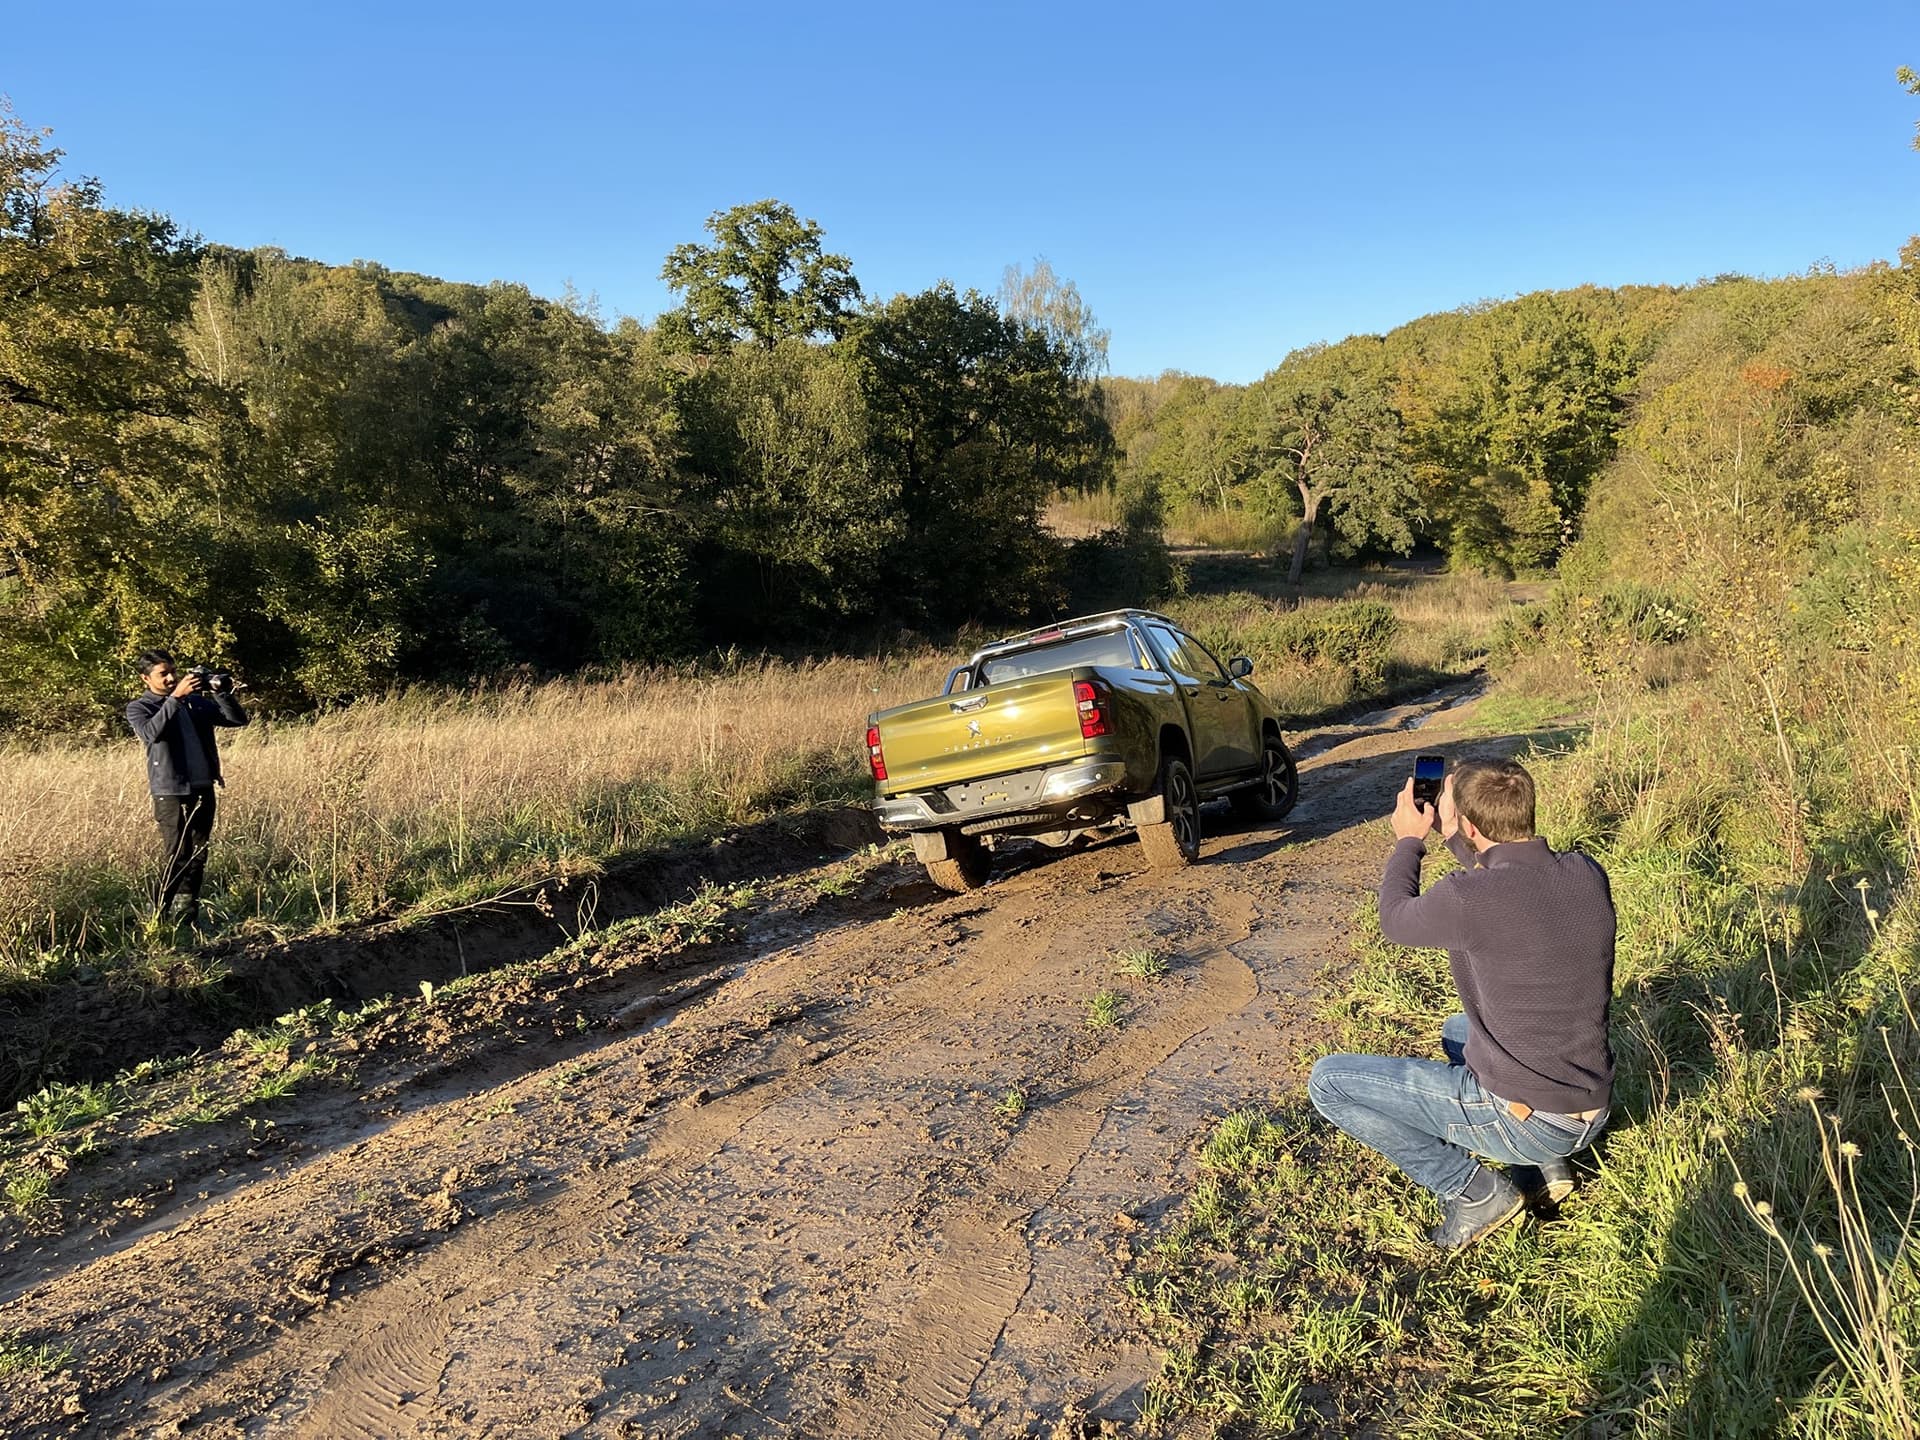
[186,825]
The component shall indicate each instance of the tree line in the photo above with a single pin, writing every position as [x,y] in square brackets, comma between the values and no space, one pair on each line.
[1477,432]
[340,478]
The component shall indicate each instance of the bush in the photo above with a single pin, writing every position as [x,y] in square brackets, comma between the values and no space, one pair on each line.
[1113,569]
[1354,636]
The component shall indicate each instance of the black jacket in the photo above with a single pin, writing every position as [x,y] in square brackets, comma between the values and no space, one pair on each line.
[157,719]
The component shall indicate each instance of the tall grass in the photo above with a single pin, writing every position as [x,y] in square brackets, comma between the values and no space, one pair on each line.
[424,800]
[421,799]
[1741,1257]
[1194,525]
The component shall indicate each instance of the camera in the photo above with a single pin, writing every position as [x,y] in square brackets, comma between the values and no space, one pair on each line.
[1429,774]
[214,682]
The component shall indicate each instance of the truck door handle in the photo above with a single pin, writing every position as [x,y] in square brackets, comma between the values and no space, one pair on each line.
[1192,690]
[1226,695]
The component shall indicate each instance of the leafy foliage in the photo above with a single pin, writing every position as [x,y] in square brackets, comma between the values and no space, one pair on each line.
[765,278]
[336,480]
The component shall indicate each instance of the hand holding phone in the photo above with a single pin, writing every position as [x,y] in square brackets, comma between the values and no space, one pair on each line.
[1429,776]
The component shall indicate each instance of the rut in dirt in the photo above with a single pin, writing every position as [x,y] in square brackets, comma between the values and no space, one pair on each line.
[794,1204]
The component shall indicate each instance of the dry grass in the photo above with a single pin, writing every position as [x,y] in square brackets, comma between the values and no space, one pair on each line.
[423,799]
[1209,527]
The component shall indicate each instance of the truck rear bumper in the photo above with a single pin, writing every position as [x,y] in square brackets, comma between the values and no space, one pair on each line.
[1060,786]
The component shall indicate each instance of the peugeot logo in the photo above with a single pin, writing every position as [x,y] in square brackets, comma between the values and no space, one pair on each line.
[973,727]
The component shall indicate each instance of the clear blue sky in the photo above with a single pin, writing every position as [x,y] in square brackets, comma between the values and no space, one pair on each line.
[1224,183]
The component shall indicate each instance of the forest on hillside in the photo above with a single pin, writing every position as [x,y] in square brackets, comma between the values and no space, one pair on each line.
[342,478]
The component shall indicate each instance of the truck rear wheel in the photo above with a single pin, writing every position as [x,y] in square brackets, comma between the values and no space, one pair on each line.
[1279,784]
[966,867]
[1176,842]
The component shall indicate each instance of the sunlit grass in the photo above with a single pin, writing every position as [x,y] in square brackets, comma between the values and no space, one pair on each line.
[423,800]
[1742,1256]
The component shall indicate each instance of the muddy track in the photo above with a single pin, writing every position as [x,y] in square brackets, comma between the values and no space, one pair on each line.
[782,1201]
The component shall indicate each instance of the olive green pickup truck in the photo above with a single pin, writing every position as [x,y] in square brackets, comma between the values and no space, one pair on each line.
[1115,720]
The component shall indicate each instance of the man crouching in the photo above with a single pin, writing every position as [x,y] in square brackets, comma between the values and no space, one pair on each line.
[1528,1077]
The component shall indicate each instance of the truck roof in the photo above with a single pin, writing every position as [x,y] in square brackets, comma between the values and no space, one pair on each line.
[1061,629]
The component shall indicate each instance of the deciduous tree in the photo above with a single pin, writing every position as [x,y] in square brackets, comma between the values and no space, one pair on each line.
[764,278]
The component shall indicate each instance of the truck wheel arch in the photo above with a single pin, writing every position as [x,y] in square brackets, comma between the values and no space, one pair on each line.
[1152,809]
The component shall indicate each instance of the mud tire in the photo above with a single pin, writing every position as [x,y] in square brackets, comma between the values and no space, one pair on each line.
[1279,786]
[1176,843]
[967,866]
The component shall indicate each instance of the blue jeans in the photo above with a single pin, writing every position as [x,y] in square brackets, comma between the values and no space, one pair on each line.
[1434,1120]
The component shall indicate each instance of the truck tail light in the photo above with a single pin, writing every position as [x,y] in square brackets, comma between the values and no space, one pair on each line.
[1091,698]
[875,760]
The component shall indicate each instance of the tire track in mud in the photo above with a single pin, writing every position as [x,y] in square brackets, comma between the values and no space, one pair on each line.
[393,1364]
[373,1342]
[926,1370]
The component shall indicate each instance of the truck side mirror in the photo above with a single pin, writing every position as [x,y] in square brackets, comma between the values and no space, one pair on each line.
[1240,667]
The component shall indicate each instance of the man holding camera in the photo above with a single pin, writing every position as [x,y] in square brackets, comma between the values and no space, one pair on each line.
[1528,1078]
[175,720]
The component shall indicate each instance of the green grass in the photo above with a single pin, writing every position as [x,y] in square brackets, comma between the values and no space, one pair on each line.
[17,1357]
[278,1084]
[64,1107]
[1140,962]
[29,1193]
[1740,1259]
[65,1126]
[1012,1105]
[1105,1010]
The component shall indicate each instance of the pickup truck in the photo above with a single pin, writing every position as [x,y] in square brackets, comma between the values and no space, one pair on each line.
[1110,721]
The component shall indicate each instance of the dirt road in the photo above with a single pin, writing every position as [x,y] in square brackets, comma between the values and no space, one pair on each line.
[768,1191]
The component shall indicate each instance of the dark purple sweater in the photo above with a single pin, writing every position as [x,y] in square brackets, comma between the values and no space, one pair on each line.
[1529,935]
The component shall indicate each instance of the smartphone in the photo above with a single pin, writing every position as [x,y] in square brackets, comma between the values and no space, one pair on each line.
[1429,773]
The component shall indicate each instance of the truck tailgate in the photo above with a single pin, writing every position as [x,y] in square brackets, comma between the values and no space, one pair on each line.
[1014,725]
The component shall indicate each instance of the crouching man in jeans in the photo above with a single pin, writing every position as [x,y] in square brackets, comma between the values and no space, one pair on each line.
[1528,1075]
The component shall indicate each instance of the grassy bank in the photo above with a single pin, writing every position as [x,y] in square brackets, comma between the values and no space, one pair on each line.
[1741,1256]
[419,802]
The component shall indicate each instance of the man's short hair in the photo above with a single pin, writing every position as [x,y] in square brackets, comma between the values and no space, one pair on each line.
[1497,796]
[147,659]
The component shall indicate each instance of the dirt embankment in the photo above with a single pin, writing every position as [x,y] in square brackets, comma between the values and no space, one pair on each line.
[772,1185]
[84,1030]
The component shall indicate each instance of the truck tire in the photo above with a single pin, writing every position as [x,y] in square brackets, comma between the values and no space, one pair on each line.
[966,867]
[1279,785]
[1176,842]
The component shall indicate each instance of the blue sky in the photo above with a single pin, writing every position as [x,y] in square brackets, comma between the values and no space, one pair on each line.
[1224,183]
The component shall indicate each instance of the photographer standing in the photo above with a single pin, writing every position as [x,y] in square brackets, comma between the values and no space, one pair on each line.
[1528,1077]
[175,720]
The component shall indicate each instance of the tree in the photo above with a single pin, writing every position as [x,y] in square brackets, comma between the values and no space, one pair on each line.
[1328,429]
[798,515]
[1043,301]
[764,278]
[1527,393]
[976,420]
[1910,83]
[94,446]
